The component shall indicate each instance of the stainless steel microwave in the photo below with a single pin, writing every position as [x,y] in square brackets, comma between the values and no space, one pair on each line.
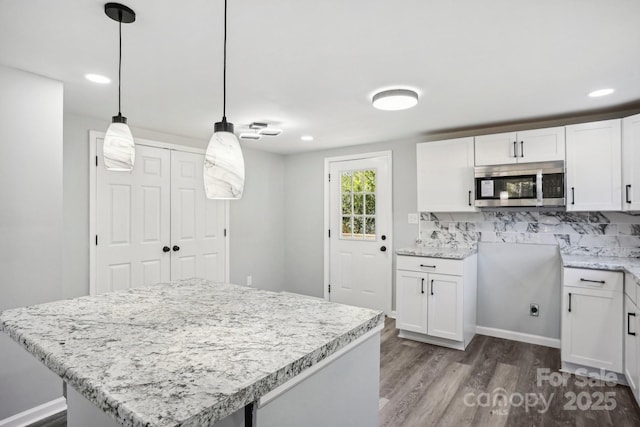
[521,184]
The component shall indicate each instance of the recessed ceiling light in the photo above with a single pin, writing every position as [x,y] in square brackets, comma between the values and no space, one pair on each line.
[601,92]
[395,99]
[306,138]
[97,78]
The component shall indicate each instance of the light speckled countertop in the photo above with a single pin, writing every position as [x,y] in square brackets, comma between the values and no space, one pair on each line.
[438,252]
[187,353]
[629,265]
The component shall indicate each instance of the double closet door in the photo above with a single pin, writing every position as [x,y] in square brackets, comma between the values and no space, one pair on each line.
[155,224]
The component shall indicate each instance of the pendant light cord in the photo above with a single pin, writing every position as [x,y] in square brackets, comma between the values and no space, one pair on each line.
[224,69]
[119,59]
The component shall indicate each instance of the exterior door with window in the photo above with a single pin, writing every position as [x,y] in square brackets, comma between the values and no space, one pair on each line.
[360,232]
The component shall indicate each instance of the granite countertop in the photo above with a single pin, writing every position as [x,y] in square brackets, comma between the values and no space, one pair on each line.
[629,265]
[187,353]
[438,252]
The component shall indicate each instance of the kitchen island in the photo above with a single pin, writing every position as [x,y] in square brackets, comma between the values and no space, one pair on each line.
[197,353]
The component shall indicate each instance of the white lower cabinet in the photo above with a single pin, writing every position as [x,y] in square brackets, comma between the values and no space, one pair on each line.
[592,315]
[436,300]
[632,344]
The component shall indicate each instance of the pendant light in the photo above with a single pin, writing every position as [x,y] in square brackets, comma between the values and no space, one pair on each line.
[118,148]
[224,163]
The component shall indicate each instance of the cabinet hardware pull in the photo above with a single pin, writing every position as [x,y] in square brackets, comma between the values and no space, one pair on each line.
[521,148]
[422,286]
[514,149]
[469,197]
[427,266]
[627,188]
[629,324]
[166,249]
[592,281]
[431,286]
[569,302]
[573,195]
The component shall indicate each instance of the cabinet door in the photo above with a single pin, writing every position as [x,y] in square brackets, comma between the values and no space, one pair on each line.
[630,162]
[445,176]
[445,307]
[631,337]
[592,328]
[593,166]
[411,301]
[496,149]
[541,145]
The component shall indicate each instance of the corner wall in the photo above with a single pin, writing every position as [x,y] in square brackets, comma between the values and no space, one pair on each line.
[30,224]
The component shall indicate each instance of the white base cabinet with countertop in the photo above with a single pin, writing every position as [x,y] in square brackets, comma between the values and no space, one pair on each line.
[592,315]
[436,299]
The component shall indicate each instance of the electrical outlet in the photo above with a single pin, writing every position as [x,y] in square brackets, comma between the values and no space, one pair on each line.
[413,218]
[452,227]
[249,281]
[534,310]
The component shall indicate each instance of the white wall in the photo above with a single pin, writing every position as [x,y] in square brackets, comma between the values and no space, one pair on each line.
[256,223]
[304,210]
[30,224]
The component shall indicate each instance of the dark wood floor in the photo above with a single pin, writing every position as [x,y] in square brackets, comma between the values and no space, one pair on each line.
[425,385]
[422,385]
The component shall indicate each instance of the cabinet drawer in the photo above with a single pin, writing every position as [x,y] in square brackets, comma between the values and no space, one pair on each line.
[593,279]
[631,288]
[430,265]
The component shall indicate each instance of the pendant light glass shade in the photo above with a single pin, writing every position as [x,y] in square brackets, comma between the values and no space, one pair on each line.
[224,166]
[118,148]
[224,162]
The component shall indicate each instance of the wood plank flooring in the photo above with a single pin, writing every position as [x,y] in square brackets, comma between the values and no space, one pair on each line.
[493,383]
[422,385]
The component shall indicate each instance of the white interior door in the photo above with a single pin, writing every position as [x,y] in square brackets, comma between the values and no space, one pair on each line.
[133,220]
[197,223]
[360,248]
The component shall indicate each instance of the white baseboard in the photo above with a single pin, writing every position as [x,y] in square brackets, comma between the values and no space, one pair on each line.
[36,414]
[518,336]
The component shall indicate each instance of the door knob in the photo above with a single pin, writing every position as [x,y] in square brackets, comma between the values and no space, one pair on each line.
[166,249]
[176,248]
[383,248]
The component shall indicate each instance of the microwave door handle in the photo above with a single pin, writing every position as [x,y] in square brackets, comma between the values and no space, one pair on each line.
[539,192]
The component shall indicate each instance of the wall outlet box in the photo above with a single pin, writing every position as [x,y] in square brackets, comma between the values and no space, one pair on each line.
[413,218]
[249,281]
[452,227]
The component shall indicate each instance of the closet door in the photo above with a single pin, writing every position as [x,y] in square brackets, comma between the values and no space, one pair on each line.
[133,222]
[197,223]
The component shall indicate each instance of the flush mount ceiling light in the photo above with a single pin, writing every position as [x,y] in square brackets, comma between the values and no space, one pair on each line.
[250,135]
[224,163]
[118,148]
[306,138]
[395,99]
[601,92]
[97,78]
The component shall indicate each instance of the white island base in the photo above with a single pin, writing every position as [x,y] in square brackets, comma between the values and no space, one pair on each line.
[341,390]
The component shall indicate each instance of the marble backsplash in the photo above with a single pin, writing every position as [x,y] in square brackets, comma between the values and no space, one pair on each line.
[580,233]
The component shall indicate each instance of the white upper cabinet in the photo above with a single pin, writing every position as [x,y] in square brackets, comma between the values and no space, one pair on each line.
[593,166]
[630,163]
[445,176]
[537,145]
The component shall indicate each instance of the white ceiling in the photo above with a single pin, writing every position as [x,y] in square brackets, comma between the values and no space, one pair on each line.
[311,67]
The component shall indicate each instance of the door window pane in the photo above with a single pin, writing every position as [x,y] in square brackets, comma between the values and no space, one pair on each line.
[358,207]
